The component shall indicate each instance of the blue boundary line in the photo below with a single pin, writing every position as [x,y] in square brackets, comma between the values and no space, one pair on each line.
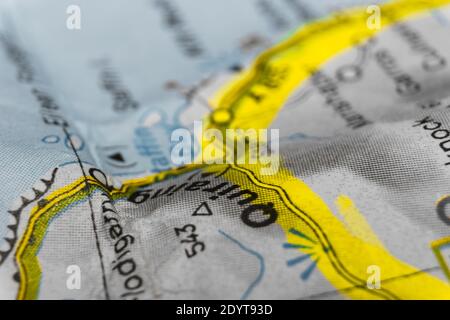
[254,253]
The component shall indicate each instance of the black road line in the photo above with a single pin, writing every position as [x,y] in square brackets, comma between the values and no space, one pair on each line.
[346,274]
[333,292]
[100,254]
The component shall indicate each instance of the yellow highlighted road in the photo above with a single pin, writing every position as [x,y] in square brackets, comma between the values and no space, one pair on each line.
[345,249]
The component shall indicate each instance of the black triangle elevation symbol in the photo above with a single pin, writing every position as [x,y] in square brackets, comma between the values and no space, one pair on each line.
[117,156]
[203,210]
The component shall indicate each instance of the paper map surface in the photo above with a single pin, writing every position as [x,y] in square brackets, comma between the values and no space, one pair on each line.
[87,184]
